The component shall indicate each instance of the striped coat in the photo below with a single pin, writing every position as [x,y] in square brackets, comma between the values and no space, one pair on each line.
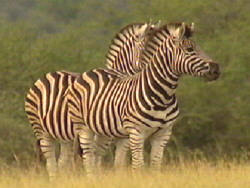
[143,104]
[47,109]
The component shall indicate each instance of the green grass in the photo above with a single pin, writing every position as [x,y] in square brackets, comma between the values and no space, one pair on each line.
[189,175]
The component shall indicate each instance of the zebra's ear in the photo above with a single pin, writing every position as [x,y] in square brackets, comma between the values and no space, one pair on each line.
[192,27]
[141,30]
[189,30]
[181,30]
[177,30]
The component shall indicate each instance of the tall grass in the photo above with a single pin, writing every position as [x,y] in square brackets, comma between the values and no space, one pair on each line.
[185,175]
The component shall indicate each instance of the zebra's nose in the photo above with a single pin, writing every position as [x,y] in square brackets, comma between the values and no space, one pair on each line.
[213,73]
[214,69]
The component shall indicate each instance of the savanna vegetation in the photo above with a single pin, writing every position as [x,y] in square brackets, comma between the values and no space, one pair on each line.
[190,175]
[40,36]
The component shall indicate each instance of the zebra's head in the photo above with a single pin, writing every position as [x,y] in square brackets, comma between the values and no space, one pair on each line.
[188,58]
[126,47]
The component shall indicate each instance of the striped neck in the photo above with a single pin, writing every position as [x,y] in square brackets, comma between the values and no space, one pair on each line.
[124,51]
[158,76]
[159,82]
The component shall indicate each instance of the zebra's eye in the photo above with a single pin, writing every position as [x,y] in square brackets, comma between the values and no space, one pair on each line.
[190,49]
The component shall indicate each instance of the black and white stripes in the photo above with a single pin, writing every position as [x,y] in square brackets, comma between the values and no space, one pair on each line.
[47,109]
[126,47]
[144,103]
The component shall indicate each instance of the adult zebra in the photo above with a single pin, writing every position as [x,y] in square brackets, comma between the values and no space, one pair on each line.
[141,105]
[47,109]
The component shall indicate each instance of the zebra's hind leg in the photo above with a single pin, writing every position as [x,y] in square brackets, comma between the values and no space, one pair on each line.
[121,153]
[87,144]
[102,145]
[48,148]
[66,157]
[158,142]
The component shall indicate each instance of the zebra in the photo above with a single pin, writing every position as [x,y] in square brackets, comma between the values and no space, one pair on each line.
[47,109]
[144,104]
[126,47]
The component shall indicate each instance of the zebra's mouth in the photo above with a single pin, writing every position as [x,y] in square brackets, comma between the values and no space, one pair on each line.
[213,73]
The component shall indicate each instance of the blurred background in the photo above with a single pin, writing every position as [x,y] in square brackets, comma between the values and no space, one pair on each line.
[40,36]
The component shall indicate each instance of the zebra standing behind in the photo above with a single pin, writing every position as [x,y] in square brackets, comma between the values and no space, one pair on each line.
[144,104]
[47,109]
[127,46]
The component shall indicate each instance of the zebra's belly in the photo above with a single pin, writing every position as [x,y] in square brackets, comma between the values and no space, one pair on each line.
[105,119]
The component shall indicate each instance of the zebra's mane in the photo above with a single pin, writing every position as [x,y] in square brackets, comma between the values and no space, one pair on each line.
[167,27]
[125,34]
[156,36]
[75,74]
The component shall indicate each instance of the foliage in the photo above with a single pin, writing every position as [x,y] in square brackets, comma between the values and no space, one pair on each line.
[43,36]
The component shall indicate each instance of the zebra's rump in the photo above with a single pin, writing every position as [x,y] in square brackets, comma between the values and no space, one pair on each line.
[45,105]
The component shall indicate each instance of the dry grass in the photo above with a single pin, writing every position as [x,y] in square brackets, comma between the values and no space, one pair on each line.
[193,175]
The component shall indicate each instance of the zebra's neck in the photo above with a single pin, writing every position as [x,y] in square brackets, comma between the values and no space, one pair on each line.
[157,78]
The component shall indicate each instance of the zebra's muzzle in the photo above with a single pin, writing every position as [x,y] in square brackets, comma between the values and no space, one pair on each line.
[213,73]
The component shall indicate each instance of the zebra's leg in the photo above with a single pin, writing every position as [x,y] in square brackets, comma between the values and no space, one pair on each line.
[158,142]
[102,145]
[121,151]
[136,141]
[87,144]
[66,155]
[48,148]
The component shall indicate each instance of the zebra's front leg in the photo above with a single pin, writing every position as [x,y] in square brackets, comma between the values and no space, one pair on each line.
[136,141]
[66,157]
[102,145]
[121,151]
[158,142]
[47,145]
[87,145]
